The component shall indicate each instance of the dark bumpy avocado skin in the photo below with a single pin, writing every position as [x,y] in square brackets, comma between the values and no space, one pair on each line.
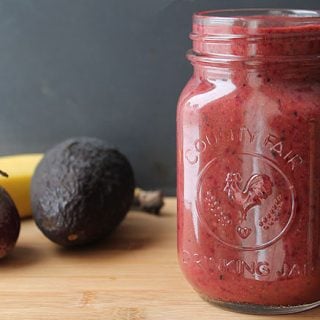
[9,223]
[81,190]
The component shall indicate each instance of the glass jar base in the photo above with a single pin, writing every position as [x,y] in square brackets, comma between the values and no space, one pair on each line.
[261,309]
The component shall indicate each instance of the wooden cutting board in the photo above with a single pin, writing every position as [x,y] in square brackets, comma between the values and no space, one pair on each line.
[133,275]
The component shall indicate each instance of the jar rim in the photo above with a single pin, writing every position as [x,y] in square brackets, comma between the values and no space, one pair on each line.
[243,17]
[256,35]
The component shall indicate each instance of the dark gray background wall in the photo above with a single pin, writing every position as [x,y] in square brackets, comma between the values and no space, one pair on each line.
[106,68]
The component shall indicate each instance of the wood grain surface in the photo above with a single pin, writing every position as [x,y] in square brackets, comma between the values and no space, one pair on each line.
[133,275]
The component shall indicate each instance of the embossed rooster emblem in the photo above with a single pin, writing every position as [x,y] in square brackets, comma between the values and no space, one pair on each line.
[257,188]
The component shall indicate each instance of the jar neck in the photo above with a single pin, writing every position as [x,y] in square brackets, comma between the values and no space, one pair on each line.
[271,43]
[241,71]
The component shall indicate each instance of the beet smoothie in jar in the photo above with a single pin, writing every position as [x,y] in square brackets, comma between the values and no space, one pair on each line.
[248,140]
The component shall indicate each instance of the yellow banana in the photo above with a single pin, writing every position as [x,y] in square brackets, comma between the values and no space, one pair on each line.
[20,169]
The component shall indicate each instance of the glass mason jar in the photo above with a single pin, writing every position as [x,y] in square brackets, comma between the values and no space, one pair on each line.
[248,140]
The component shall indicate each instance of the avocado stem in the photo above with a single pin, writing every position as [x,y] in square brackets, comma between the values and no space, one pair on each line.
[4,174]
[150,201]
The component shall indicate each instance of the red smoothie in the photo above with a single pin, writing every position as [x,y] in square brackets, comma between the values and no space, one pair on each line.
[248,137]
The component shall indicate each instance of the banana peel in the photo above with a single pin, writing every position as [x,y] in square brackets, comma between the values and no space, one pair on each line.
[20,169]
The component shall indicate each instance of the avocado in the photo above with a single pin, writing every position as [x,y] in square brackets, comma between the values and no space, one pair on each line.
[9,223]
[81,191]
